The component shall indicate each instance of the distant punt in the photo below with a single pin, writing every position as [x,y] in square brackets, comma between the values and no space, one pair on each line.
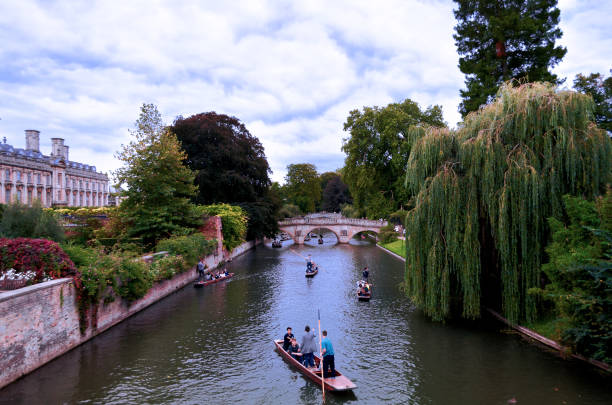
[26,175]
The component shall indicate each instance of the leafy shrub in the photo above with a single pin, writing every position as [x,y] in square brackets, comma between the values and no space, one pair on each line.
[387,234]
[167,267]
[580,274]
[135,279]
[42,256]
[97,275]
[191,247]
[81,256]
[22,221]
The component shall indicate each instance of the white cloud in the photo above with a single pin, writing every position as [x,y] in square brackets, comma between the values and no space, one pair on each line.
[291,71]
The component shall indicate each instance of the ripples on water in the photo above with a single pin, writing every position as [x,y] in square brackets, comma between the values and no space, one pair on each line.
[214,345]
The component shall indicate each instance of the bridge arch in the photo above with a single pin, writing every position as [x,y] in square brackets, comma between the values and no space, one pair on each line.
[343,228]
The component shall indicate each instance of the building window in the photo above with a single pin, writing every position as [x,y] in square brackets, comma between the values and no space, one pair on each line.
[59,179]
[30,197]
[48,181]
[7,175]
[38,176]
[59,195]
[17,176]
[19,195]
[81,186]
[7,197]
[29,178]
[73,183]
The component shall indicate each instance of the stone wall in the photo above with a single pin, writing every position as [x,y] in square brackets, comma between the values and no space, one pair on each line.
[41,322]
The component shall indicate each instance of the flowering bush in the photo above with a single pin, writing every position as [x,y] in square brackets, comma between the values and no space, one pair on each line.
[42,257]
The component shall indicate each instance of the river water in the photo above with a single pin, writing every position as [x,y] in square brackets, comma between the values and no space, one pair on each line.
[214,345]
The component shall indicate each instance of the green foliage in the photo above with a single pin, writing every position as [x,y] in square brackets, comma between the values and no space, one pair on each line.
[81,256]
[289,211]
[335,193]
[349,211]
[231,167]
[159,186]
[167,267]
[233,220]
[499,41]
[387,234]
[601,90]
[135,279]
[303,186]
[377,150]
[191,247]
[478,228]
[580,274]
[19,220]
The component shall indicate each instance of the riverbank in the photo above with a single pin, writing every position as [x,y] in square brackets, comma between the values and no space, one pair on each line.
[39,323]
[396,247]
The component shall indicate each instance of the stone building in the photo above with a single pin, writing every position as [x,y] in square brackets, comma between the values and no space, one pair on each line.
[26,175]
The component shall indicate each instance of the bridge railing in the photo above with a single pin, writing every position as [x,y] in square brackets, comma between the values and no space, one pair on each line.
[333,221]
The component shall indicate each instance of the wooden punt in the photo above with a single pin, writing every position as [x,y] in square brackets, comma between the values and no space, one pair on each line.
[337,383]
[203,283]
[312,273]
[320,242]
[364,297]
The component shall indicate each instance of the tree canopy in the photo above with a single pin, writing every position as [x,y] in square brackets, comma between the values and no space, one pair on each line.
[335,195]
[159,186]
[302,186]
[230,166]
[503,40]
[478,229]
[601,90]
[377,150]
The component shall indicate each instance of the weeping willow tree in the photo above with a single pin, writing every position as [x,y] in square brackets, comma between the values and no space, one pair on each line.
[483,193]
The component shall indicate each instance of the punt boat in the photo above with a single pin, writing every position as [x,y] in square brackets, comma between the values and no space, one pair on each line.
[312,273]
[204,283]
[337,383]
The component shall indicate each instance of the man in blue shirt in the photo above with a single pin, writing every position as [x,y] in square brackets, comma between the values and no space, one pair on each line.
[327,351]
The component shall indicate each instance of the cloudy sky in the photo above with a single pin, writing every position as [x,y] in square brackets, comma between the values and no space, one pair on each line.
[290,70]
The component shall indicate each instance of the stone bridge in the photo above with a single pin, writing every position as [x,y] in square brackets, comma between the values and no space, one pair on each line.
[343,228]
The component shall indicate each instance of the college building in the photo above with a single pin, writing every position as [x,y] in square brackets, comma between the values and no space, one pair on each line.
[27,174]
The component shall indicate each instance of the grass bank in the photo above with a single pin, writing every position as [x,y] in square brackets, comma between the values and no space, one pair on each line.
[398,247]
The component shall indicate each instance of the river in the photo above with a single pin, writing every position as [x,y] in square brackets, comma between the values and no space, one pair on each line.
[214,345]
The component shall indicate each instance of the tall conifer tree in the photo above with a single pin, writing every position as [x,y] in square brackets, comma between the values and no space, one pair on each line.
[503,40]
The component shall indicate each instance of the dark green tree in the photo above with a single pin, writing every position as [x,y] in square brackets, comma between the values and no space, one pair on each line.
[159,185]
[377,151]
[601,90]
[335,195]
[503,40]
[21,221]
[230,166]
[303,186]
[580,274]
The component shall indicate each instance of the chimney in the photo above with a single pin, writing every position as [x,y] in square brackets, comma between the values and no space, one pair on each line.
[57,147]
[66,153]
[32,140]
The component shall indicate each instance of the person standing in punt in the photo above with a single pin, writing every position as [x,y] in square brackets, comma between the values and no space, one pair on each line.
[327,351]
[309,346]
[365,274]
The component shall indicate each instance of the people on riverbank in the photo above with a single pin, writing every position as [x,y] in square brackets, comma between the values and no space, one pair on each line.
[327,351]
[287,339]
[309,346]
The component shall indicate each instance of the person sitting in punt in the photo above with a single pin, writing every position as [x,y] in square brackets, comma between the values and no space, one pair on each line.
[294,350]
[225,273]
[287,339]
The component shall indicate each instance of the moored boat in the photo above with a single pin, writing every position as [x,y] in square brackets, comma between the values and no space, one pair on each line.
[204,283]
[337,383]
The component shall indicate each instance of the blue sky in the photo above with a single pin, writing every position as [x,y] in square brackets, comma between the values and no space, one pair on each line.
[291,71]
